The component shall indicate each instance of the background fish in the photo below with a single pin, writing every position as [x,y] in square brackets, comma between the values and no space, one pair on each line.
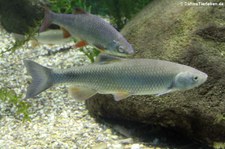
[52,36]
[90,29]
[120,77]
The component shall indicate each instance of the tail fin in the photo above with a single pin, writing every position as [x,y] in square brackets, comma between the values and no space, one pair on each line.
[41,76]
[47,19]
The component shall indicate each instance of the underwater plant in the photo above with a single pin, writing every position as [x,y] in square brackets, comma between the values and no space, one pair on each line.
[67,6]
[19,43]
[18,16]
[90,53]
[119,11]
[9,97]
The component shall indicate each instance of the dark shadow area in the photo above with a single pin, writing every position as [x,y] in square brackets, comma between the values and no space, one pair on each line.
[152,135]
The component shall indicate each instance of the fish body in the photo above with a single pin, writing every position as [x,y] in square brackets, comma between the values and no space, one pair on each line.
[90,29]
[121,77]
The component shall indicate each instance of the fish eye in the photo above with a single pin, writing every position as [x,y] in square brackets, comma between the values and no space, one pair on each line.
[195,78]
[121,49]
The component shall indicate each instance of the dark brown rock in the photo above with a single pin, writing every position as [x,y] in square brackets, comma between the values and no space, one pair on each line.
[212,32]
[170,31]
[19,16]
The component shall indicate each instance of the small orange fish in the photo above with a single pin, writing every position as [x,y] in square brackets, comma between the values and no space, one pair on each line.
[90,29]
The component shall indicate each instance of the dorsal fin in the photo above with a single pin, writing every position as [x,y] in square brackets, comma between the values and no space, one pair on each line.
[79,11]
[105,59]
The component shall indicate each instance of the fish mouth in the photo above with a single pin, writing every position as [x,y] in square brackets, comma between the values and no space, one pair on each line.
[128,53]
[131,52]
[204,78]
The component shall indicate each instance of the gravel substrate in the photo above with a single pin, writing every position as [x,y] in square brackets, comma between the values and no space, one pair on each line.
[57,120]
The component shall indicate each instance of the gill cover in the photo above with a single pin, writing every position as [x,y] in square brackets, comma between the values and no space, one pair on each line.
[121,47]
[185,80]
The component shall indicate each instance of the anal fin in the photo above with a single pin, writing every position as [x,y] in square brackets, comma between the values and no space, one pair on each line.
[120,95]
[81,44]
[66,33]
[81,93]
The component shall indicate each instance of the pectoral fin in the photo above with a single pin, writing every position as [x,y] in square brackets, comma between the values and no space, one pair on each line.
[120,95]
[100,47]
[163,93]
[81,44]
[171,88]
[81,93]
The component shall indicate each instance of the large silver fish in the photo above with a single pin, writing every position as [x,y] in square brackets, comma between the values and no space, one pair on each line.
[120,77]
[90,29]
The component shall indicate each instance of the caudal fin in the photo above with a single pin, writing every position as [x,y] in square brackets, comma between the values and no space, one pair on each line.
[47,19]
[41,78]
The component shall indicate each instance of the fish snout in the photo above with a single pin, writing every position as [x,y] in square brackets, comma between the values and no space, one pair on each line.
[203,78]
[121,47]
[130,50]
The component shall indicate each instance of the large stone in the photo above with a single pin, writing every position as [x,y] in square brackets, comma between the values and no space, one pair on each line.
[19,16]
[190,35]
